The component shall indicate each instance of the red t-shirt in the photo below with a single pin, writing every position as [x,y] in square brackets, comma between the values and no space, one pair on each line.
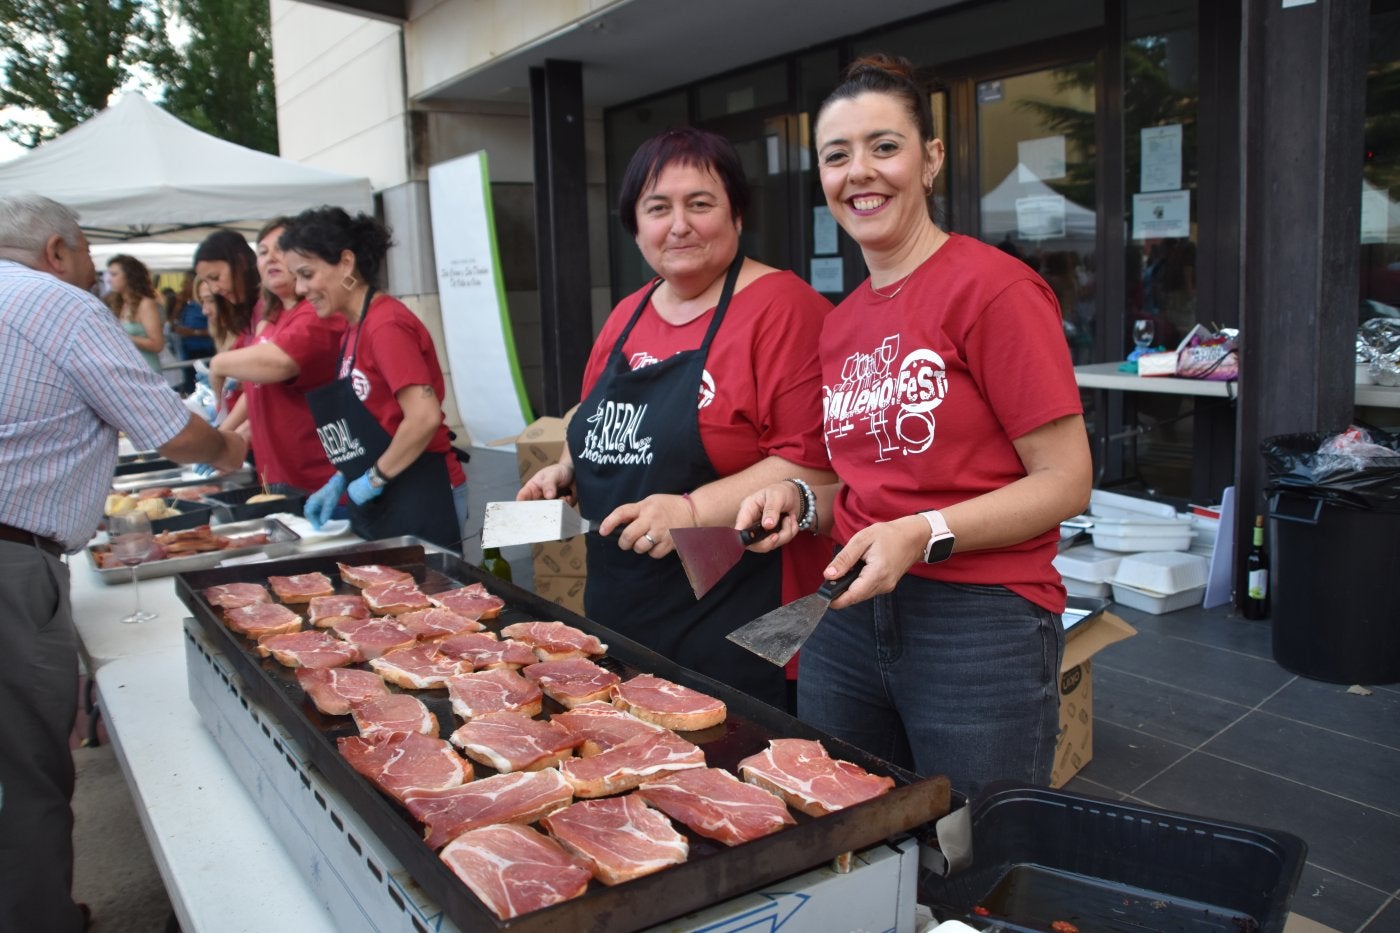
[284,433]
[925,392]
[761,387]
[395,351]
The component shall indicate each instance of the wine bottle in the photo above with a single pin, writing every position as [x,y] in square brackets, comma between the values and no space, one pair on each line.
[1256,600]
[493,563]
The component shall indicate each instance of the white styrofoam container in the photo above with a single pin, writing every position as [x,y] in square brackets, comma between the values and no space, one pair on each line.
[1116,505]
[1157,603]
[1086,588]
[1087,563]
[1163,572]
[1142,534]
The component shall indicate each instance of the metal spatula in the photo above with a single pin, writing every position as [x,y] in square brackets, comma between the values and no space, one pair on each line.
[776,636]
[707,554]
[508,523]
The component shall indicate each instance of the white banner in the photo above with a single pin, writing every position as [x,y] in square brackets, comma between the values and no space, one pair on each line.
[480,344]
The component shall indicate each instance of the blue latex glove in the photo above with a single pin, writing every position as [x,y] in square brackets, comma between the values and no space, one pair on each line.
[203,469]
[362,490]
[321,503]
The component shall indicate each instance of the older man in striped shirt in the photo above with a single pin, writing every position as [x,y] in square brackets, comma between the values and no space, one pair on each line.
[69,381]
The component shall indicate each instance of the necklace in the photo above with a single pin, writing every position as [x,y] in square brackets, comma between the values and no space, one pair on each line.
[902,282]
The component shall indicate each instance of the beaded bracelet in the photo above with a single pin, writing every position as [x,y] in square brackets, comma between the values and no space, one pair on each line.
[694,519]
[807,521]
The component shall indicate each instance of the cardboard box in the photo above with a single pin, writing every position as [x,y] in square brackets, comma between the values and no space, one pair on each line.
[566,558]
[566,591]
[539,445]
[1075,747]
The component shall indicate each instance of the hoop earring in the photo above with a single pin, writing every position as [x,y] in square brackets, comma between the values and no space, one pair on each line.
[349,282]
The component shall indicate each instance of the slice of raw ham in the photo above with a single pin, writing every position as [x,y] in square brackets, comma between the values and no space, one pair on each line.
[258,620]
[619,839]
[668,704]
[235,595]
[419,667]
[717,805]
[332,690]
[601,726]
[486,652]
[571,682]
[514,742]
[471,600]
[514,869]
[393,712]
[400,761]
[363,575]
[494,691]
[522,797]
[326,611]
[624,766]
[394,598]
[311,648]
[301,587]
[555,641]
[375,637]
[437,623]
[803,774]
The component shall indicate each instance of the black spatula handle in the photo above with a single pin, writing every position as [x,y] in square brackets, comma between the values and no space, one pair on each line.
[834,588]
[755,532]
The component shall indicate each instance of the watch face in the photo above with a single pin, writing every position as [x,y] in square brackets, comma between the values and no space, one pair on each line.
[939,550]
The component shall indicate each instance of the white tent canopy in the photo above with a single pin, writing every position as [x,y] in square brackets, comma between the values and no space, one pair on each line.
[134,170]
[1020,186]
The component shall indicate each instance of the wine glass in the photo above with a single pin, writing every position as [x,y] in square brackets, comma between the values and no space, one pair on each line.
[1143,333]
[131,542]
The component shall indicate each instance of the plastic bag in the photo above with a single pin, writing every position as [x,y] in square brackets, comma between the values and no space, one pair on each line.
[1356,468]
[1205,354]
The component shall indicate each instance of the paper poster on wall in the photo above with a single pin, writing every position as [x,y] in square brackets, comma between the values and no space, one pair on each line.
[827,277]
[1375,214]
[1161,215]
[1040,216]
[480,344]
[1161,158]
[823,231]
[1042,159]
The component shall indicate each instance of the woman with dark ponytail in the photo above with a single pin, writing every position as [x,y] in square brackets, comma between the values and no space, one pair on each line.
[955,427]
[380,421]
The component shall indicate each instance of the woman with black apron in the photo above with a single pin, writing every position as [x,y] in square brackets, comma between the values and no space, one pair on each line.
[700,389]
[380,421]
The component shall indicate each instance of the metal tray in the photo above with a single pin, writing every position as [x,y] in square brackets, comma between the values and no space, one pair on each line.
[713,873]
[282,541]
[175,477]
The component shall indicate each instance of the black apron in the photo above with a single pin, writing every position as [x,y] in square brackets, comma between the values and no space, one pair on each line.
[638,433]
[416,502]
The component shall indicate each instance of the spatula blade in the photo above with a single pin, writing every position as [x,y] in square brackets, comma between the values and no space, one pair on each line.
[778,635]
[707,554]
[509,523]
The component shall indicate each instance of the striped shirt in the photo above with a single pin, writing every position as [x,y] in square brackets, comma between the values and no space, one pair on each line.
[70,378]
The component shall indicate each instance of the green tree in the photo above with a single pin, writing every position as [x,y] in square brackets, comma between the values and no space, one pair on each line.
[64,59]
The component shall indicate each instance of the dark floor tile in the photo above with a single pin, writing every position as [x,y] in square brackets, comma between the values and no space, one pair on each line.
[1375,718]
[1349,838]
[1220,627]
[1125,758]
[1334,901]
[1079,784]
[1161,710]
[1388,920]
[1339,764]
[1214,672]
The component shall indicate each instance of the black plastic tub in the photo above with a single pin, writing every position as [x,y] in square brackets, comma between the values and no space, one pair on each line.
[192,515]
[1041,856]
[232,505]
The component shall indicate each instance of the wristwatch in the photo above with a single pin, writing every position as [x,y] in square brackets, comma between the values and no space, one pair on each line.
[376,479]
[940,540]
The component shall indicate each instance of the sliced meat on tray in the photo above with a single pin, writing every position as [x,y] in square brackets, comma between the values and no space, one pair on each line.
[514,742]
[668,704]
[802,773]
[259,620]
[394,598]
[624,766]
[393,712]
[555,641]
[375,637]
[301,587]
[235,595]
[486,652]
[717,805]
[601,726]
[311,648]
[402,761]
[363,575]
[514,869]
[619,838]
[571,682]
[494,691]
[334,689]
[471,600]
[326,611]
[437,623]
[522,797]
[419,667]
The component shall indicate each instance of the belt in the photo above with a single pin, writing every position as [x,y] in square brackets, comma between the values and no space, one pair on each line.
[20,536]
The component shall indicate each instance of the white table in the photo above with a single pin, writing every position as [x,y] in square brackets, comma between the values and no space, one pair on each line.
[1108,376]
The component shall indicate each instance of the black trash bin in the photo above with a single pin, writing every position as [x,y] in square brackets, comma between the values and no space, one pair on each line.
[1335,563]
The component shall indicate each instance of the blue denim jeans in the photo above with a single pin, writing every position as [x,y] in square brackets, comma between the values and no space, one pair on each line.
[941,678]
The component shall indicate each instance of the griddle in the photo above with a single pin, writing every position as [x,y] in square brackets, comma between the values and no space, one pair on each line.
[713,873]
